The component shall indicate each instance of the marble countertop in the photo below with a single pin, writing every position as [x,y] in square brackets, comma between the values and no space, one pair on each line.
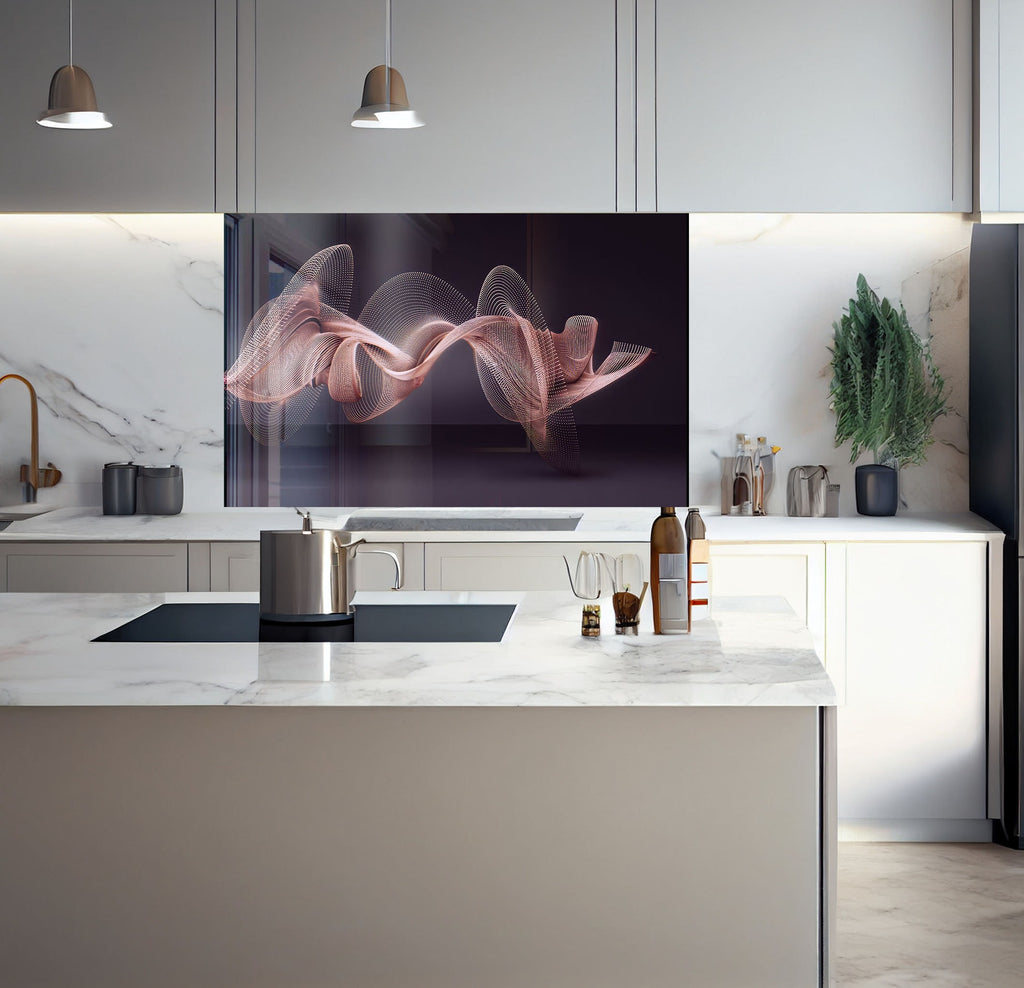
[752,652]
[595,525]
[245,524]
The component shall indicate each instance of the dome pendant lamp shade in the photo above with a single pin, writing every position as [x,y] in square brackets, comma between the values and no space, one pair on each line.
[384,108]
[72,102]
[385,102]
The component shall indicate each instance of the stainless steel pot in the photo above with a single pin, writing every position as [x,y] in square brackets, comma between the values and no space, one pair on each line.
[305,573]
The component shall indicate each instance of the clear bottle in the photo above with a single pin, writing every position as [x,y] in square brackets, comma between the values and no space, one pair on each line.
[668,573]
[761,461]
[743,477]
[694,527]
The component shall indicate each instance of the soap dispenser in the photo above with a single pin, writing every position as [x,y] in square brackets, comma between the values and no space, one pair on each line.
[668,573]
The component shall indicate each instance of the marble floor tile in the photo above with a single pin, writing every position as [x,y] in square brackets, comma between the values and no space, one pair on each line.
[942,915]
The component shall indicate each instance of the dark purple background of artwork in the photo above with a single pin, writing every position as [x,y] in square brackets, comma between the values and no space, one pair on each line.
[445,446]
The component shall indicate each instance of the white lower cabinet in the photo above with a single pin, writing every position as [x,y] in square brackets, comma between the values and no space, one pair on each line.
[903,629]
[912,731]
[94,567]
[512,565]
[794,571]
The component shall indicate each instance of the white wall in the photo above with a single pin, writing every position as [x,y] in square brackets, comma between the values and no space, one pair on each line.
[764,292]
[118,322]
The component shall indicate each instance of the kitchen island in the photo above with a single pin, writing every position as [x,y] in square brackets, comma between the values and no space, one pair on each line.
[542,810]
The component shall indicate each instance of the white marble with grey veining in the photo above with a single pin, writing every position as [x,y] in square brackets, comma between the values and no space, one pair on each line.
[754,652]
[117,320]
[764,291]
[596,525]
[245,524]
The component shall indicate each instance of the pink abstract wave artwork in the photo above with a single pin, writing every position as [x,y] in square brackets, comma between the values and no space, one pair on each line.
[305,339]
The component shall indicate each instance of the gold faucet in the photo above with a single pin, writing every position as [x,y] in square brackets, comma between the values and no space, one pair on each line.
[30,476]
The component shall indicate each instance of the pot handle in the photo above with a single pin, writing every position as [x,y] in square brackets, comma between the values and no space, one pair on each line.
[387,552]
[342,547]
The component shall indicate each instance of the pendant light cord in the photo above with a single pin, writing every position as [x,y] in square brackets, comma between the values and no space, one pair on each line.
[71,32]
[387,53]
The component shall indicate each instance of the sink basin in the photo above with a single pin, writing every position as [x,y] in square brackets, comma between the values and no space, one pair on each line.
[464,521]
[18,512]
[240,622]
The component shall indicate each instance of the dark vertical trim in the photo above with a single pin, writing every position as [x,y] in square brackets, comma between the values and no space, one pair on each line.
[827,839]
[822,862]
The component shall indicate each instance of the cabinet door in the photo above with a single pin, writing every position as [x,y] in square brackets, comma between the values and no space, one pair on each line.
[235,566]
[798,105]
[911,735]
[153,69]
[512,565]
[518,99]
[794,571]
[1001,100]
[96,567]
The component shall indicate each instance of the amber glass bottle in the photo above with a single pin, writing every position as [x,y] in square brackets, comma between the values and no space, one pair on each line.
[668,573]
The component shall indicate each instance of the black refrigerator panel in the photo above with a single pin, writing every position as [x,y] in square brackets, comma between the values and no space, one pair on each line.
[994,400]
[1007,829]
[995,416]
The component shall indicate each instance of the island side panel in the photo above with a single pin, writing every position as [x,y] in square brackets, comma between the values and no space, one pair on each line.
[426,847]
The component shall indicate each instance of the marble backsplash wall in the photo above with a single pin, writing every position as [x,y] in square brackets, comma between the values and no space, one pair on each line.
[118,322]
[764,292]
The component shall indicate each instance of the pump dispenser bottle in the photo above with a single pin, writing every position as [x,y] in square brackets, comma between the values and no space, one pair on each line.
[668,573]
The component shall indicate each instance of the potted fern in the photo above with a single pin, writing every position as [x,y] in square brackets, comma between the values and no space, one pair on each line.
[886,393]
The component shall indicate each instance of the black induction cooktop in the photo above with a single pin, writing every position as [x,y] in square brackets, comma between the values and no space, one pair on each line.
[235,622]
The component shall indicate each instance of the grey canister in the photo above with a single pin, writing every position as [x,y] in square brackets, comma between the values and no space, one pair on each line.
[160,491]
[119,481]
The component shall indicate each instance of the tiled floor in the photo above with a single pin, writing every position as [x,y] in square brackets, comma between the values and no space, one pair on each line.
[942,915]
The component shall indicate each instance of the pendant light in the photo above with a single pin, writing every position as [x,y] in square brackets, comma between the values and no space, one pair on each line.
[72,103]
[385,103]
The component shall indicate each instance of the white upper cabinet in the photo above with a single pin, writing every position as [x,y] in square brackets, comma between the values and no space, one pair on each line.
[152,65]
[519,101]
[800,105]
[1000,106]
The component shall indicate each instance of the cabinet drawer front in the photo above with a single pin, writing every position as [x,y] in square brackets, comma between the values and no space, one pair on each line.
[512,566]
[96,568]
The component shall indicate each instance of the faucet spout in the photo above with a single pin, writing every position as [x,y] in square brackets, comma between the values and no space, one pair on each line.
[30,476]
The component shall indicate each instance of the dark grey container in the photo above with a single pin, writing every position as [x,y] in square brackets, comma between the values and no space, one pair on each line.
[878,489]
[119,480]
[160,490]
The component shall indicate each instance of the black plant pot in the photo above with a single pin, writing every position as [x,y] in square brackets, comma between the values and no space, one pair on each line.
[878,489]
